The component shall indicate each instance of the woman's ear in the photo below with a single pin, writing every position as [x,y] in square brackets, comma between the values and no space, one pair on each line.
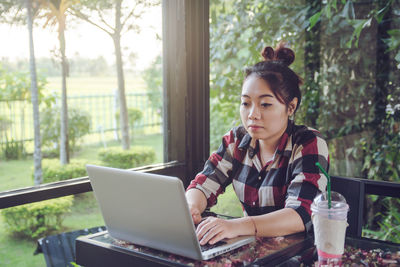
[292,106]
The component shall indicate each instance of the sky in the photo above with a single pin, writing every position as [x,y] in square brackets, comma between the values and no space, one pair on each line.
[85,40]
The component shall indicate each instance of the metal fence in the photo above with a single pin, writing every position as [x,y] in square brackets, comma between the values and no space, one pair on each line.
[17,121]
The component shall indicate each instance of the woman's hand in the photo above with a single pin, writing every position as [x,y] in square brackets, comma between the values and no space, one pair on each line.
[197,203]
[214,229]
[196,214]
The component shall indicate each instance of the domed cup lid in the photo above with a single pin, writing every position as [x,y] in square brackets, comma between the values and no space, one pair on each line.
[338,202]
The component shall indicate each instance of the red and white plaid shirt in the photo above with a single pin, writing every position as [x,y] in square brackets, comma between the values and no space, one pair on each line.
[290,179]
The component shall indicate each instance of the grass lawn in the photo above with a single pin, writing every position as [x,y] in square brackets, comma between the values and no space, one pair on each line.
[17,252]
[228,204]
[96,85]
[15,174]
[18,173]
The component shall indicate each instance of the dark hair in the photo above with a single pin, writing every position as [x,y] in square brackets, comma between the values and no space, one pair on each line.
[275,70]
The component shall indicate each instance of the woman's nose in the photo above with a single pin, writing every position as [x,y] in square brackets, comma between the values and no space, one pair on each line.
[254,113]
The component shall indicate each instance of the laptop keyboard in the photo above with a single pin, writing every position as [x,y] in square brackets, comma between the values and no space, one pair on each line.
[209,246]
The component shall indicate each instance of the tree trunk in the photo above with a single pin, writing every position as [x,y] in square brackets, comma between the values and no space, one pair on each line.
[37,154]
[121,82]
[64,151]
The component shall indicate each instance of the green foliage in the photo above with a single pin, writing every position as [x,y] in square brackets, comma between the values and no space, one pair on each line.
[348,53]
[247,26]
[53,171]
[389,227]
[12,149]
[382,161]
[134,115]
[126,159]
[78,126]
[15,85]
[38,219]
[153,78]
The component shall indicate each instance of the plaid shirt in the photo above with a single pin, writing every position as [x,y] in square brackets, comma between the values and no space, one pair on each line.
[290,179]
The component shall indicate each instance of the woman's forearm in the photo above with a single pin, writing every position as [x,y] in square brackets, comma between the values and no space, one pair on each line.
[196,199]
[278,223]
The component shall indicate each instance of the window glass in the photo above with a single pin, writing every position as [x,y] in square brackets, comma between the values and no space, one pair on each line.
[93,83]
[95,77]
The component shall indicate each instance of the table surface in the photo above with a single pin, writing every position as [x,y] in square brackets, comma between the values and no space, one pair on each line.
[101,249]
[261,252]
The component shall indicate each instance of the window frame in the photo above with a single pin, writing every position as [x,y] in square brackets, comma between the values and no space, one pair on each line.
[186,104]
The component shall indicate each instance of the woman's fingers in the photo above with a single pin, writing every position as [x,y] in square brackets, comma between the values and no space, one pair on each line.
[210,234]
[216,238]
[212,230]
[204,227]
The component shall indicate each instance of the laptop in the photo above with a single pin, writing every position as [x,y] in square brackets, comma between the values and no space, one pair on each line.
[151,210]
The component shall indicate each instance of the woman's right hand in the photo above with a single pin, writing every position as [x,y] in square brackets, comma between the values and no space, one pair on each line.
[197,203]
[196,214]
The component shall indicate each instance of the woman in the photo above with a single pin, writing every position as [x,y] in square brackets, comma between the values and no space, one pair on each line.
[269,160]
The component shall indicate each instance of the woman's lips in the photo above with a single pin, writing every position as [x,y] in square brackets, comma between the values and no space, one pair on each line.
[255,127]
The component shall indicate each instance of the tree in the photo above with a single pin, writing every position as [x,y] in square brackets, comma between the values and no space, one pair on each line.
[56,15]
[16,7]
[37,155]
[125,18]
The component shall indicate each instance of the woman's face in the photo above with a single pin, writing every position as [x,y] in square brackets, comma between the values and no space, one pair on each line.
[263,116]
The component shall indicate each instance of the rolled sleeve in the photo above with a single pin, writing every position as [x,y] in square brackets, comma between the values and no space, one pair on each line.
[214,178]
[307,181]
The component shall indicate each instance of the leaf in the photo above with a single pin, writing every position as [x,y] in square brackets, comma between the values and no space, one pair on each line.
[348,11]
[394,41]
[397,57]
[381,13]
[359,25]
[314,19]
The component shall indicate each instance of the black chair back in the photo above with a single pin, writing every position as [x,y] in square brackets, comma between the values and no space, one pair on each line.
[353,191]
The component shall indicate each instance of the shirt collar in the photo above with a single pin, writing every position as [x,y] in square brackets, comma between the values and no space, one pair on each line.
[253,147]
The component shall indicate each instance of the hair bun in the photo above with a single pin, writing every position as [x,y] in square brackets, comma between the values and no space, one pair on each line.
[268,53]
[281,53]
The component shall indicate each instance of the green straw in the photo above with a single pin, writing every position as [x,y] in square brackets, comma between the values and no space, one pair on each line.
[329,183]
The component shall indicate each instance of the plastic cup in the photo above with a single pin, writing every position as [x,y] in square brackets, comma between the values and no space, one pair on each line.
[329,228]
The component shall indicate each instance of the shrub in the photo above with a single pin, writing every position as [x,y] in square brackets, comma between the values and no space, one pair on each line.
[78,126]
[389,226]
[125,159]
[134,115]
[38,219]
[50,153]
[53,171]
[13,149]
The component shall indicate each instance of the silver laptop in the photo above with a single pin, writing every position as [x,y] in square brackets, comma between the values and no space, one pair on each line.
[151,210]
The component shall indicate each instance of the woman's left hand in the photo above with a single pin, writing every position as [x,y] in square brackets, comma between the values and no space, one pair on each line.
[214,229]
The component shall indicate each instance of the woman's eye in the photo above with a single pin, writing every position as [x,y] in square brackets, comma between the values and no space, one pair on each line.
[265,105]
[244,104]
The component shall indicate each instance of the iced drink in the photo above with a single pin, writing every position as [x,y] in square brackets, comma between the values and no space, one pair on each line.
[329,227]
